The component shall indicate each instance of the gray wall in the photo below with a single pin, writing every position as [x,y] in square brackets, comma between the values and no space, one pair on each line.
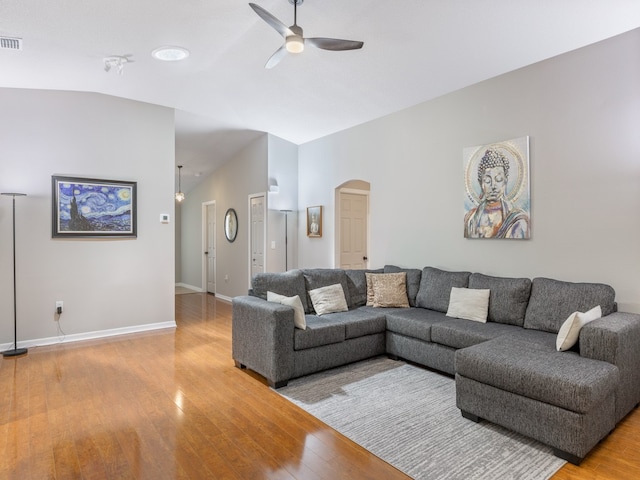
[581,111]
[230,187]
[107,285]
[177,225]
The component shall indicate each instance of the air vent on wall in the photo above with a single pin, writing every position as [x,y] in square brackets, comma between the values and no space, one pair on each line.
[10,43]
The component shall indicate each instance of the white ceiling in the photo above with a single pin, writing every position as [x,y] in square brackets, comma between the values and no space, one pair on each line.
[414,50]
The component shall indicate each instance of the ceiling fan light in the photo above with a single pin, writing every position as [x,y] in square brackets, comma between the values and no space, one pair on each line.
[295,44]
[170,53]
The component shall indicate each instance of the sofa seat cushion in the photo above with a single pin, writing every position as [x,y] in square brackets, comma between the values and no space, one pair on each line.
[320,331]
[361,321]
[460,333]
[413,322]
[539,372]
[338,327]
[545,339]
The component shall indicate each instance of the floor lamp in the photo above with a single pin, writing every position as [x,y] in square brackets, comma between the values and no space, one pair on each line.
[16,351]
[286,239]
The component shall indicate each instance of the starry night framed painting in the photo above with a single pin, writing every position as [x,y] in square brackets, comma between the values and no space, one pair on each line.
[87,207]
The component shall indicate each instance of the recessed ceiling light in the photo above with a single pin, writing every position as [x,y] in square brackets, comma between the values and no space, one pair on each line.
[170,54]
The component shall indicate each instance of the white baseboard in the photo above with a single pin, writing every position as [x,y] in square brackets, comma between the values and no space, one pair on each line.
[224,298]
[190,287]
[198,289]
[77,337]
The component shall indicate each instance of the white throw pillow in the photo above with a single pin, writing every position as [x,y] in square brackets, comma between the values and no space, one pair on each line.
[570,329]
[328,299]
[299,319]
[469,304]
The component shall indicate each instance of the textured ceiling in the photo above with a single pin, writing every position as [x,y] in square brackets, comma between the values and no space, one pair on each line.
[414,50]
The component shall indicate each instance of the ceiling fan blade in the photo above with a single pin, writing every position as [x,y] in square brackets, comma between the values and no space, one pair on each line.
[276,57]
[280,27]
[333,43]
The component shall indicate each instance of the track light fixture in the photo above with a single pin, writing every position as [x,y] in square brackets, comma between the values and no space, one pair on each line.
[116,61]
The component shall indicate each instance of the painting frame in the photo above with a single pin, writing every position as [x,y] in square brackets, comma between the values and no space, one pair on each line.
[314,221]
[93,208]
[497,190]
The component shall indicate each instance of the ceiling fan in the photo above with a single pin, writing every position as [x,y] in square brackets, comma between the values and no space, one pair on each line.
[294,40]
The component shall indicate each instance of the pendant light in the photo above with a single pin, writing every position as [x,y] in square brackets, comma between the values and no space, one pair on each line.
[179,194]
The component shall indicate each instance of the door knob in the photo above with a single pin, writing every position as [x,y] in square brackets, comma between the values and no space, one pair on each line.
[365,258]
[206,253]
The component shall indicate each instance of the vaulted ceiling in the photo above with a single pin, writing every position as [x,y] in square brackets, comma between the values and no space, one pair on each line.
[414,50]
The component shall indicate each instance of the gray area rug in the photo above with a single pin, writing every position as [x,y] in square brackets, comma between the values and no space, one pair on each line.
[407,416]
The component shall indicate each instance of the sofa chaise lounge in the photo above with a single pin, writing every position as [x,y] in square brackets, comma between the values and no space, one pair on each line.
[507,368]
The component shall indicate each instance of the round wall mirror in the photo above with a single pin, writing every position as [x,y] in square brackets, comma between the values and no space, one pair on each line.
[230,225]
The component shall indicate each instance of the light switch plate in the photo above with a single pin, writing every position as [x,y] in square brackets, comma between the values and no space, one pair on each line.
[164,218]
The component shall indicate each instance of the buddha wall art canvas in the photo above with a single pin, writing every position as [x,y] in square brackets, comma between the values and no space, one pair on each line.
[497,201]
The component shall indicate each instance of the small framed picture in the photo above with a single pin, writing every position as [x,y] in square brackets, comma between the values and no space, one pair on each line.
[314,221]
[87,207]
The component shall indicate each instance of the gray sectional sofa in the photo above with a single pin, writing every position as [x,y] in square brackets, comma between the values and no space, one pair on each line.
[506,370]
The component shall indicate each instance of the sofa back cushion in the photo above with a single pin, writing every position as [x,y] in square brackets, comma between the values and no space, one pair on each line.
[323,277]
[289,284]
[414,276]
[357,283]
[508,298]
[552,301]
[435,288]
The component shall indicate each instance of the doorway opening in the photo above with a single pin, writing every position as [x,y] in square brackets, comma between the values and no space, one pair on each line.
[352,225]
[257,234]
[209,247]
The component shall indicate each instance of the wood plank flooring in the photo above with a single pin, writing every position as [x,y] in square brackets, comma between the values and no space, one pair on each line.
[170,405]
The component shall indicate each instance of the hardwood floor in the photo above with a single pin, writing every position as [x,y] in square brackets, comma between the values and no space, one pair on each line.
[170,404]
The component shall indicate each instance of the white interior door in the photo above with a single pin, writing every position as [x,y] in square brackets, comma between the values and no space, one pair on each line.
[353,230]
[257,207]
[210,252]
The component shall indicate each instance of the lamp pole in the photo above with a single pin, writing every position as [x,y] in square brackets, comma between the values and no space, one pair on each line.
[16,351]
[286,239]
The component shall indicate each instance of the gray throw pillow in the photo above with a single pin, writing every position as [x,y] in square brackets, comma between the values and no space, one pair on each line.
[435,288]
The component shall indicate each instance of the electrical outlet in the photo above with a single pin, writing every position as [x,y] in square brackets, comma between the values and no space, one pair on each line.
[59,306]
